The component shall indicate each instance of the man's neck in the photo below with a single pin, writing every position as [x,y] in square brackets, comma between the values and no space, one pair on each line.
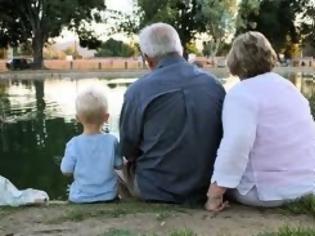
[156,62]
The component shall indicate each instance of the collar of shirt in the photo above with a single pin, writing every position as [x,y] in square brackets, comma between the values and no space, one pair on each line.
[169,60]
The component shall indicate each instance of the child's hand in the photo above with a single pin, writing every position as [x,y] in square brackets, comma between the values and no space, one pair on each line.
[215,198]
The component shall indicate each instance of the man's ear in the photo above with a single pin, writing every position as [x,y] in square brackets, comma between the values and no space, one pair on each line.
[150,61]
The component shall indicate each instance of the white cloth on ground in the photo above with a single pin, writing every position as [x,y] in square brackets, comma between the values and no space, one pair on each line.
[11,196]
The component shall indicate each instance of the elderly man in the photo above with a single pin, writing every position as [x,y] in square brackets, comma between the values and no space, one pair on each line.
[170,125]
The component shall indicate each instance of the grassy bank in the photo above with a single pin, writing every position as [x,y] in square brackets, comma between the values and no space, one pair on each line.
[133,218]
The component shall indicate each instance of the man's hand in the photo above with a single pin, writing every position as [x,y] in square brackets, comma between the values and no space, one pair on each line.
[215,201]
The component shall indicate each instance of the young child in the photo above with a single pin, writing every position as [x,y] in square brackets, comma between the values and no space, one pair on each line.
[92,156]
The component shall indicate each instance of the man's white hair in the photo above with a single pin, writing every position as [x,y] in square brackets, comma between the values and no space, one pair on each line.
[91,103]
[159,39]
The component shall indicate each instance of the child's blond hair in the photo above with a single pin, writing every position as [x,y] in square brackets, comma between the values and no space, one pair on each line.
[91,104]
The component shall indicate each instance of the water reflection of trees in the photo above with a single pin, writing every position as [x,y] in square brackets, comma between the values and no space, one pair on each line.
[28,164]
[306,85]
[4,104]
[30,147]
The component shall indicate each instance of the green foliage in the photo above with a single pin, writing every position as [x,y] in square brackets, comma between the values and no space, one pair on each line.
[287,231]
[275,19]
[308,25]
[292,50]
[188,17]
[72,51]
[39,20]
[115,48]
[248,9]
[192,48]
[25,48]
[220,22]
[222,50]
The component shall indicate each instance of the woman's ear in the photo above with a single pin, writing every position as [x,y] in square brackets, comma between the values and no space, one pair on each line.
[106,117]
[77,118]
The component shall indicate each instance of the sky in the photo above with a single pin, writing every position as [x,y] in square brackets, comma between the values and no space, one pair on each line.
[121,5]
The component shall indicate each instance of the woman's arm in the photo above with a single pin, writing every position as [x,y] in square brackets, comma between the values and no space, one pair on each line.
[240,112]
[239,118]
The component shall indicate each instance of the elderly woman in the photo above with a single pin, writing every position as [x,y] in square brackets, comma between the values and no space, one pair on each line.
[267,154]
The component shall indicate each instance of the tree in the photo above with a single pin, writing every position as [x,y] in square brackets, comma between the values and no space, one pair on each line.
[189,17]
[308,24]
[39,20]
[192,49]
[72,51]
[52,53]
[115,48]
[219,15]
[222,50]
[24,49]
[275,19]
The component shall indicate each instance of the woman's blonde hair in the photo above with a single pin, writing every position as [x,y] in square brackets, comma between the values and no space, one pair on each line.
[251,55]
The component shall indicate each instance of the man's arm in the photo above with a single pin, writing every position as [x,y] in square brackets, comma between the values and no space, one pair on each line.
[118,160]
[130,129]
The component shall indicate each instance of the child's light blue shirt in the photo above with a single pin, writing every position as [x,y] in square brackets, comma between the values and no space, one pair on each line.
[92,159]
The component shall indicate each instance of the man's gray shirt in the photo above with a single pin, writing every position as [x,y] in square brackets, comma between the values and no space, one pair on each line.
[170,125]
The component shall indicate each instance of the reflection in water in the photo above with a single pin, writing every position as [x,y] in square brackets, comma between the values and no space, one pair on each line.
[37,119]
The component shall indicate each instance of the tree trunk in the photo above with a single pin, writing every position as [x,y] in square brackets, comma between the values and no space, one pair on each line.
[185,54]
[185,51]
[37,45]
[278,56]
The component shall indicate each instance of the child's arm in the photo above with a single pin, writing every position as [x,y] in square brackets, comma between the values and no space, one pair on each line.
[68,161]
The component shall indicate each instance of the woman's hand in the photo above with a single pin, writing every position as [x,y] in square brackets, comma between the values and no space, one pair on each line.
[215,201]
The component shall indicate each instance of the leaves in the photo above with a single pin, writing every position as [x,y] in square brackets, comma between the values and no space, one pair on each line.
[189,17]
[115,48]
[277,20]
[21,20]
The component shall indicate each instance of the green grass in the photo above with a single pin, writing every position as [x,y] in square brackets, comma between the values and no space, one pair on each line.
[7,210]
[163,216]
[183,232]
[305,205]
[118,232]
[78,213]
[286,231]
[122,232]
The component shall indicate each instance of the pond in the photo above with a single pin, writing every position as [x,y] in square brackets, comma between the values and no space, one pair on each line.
[38,118]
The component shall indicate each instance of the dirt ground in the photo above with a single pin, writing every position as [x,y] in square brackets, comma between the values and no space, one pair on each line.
[143,219]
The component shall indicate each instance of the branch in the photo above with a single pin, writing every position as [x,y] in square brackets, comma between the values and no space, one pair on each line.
[24,10]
